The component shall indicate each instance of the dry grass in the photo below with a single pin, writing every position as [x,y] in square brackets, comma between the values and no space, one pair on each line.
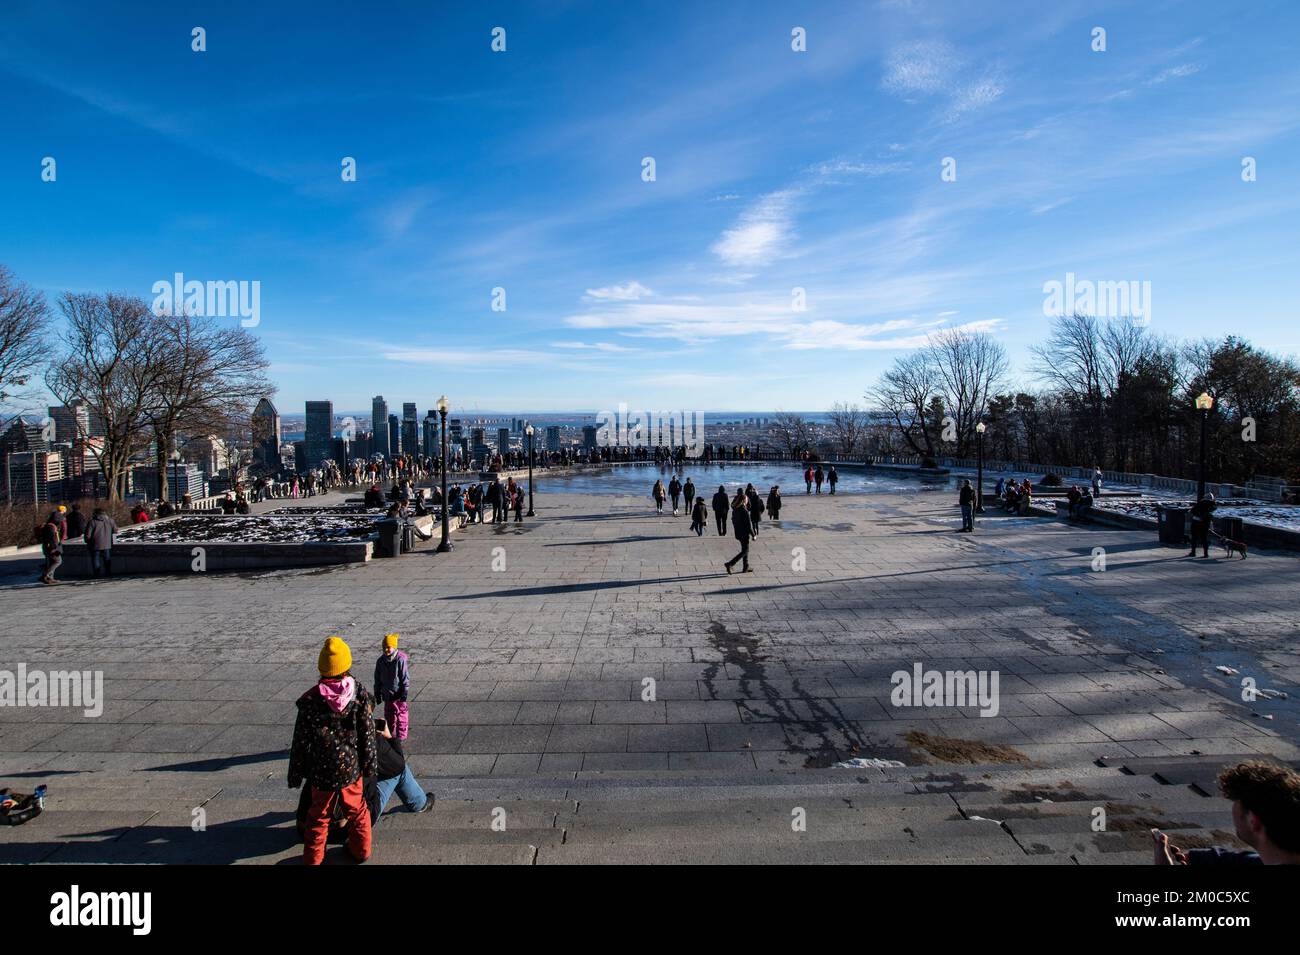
[947,749]
[18,524]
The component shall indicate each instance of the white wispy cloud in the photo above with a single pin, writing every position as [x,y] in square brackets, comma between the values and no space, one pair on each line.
[1175,72]
[629,292]
[762,232]
[593,346]
[925,67]
[934,68]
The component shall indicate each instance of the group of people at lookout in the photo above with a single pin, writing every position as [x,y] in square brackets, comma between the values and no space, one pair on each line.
[745,509]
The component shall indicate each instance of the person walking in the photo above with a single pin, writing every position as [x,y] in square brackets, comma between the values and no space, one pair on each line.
[99,542]
[774,502]
[966,498]
[721,506]
[754,503]
[675,492]
[519,503]
[1096,481]
[808,479]
[699,516]
[688,492]
[658,493]
[742,532]
[833,478]
[1202,515]
[819,476]
[494,500]
[76,523]
[333,751]
[51,548]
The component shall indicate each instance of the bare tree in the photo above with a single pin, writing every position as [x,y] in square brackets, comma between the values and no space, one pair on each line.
[792,432]
[968,369]
[24,317]
[212,374]
[848,425]
[907,392]
[109,357]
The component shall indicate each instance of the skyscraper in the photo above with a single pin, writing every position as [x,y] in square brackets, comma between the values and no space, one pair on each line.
[503,441]
[553,438]
[379,424]
[71,423]
[394,436]
[410,429]
[266,436]
[431,447]
[318,444]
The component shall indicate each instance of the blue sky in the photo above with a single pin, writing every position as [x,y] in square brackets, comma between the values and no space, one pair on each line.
[775,170]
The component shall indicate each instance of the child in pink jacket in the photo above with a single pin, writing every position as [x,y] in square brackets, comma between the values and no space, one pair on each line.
[393,685]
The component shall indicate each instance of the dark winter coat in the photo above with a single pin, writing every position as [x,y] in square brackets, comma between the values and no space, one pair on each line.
[689,490]
[755,505]
[332,750]
[967,496]
[392,677]
[721,503]
[740,525]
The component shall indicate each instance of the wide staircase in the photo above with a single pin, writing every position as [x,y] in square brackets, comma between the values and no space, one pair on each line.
[939,813]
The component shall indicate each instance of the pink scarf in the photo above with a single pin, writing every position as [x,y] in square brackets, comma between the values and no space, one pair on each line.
[338,692]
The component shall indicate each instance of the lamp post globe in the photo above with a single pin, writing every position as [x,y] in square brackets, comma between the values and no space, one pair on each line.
[1204,402]
[979,468]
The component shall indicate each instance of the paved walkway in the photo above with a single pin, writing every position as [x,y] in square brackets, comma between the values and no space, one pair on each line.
[536,671]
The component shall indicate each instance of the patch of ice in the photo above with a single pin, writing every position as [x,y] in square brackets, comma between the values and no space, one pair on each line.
[870,762]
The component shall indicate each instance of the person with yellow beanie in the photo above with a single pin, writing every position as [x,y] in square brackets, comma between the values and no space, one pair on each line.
[393,685]
[333,751]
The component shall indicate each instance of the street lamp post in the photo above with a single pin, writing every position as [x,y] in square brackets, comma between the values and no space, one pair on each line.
[1203,404]
[445,545]
[529,431]
[979,468]
[176,460]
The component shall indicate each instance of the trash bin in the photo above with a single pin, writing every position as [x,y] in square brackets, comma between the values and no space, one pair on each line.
[390,538]
[1172,524]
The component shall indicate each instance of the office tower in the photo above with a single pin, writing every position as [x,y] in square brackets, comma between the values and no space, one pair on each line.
[379,424]
[431,447]
[394,435]
[454,430]
[589,436]
[71,423]
[266,436]
[553,438]
[503,441]
[410,429]
[318,440]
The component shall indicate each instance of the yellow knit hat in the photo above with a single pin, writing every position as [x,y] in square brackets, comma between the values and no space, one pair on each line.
[390,640]
[335,658]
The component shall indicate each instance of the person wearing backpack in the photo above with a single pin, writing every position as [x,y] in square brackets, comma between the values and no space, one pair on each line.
[333,750]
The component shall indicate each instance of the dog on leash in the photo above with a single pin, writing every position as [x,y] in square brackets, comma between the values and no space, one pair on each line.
[1231,546]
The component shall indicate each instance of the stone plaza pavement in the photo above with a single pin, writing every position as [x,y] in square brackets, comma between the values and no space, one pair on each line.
[528,684]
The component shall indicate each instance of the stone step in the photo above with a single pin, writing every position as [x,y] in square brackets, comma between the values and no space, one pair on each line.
[954,851]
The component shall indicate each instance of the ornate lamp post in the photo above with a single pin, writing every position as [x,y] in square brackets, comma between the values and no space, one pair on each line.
[445,545]
[1203,404]
[979,468]
[529,431]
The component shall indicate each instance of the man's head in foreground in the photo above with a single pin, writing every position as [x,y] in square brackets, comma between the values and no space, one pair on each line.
[1265,801]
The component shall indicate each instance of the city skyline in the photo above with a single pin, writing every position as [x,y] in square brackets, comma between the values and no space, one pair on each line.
[518,176]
